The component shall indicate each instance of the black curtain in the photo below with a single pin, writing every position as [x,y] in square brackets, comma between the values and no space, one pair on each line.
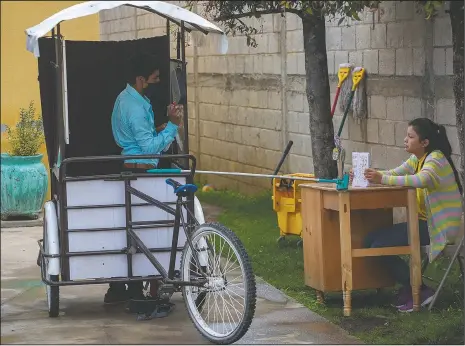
[96,74]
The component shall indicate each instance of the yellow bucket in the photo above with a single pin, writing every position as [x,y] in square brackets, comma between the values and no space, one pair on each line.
[287,204]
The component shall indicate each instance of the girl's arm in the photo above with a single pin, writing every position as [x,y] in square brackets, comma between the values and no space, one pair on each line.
[408,167]
[427,177]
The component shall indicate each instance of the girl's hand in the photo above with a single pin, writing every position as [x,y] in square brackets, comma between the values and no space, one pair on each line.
[373,176]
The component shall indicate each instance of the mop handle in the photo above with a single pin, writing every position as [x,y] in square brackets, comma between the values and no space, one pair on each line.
[333,109]
[253,175]
[349,103]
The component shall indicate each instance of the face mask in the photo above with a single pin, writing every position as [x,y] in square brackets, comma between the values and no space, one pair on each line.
[151,90]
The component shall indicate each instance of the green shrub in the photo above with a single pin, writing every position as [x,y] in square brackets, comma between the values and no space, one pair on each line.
[28,135]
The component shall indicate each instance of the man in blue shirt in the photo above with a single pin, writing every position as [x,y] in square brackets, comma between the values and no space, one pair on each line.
[134,131]
[132,119]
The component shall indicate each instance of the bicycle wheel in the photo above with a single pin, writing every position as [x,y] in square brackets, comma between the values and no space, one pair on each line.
[223,309]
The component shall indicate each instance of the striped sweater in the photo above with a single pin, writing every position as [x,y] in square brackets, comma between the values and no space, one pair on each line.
[442,196]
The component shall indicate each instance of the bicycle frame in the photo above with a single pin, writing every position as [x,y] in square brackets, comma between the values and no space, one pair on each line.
[133,239]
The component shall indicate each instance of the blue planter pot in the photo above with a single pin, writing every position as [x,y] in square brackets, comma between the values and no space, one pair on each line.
[23,186]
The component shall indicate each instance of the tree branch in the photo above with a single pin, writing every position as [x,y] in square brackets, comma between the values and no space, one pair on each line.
[253,14]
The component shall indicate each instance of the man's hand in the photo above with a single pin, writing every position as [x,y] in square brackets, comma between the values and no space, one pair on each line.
[174,114]
[373,176]
[161,128]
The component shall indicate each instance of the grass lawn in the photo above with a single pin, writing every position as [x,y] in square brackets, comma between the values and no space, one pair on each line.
[373,320]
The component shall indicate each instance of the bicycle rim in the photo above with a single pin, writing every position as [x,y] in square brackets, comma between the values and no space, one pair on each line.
[223,310]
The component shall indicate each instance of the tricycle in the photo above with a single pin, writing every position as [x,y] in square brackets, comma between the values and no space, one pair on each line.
[103,225]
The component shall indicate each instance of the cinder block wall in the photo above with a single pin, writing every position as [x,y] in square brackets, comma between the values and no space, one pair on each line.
[244,120]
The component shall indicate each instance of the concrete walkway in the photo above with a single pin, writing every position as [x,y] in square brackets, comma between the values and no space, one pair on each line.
[85,320]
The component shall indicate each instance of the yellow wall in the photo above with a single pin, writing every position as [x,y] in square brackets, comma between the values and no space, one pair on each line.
[19,66]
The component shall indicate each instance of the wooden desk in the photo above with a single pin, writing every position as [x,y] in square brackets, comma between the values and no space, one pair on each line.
[334,226]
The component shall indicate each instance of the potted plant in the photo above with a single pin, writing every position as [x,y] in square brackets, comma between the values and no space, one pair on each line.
[24,178]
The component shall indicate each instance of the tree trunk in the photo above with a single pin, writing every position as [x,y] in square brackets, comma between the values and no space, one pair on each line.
[318,96]
[456,18]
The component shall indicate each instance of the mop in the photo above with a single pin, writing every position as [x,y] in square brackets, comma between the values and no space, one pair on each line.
[338,151]
[342,74]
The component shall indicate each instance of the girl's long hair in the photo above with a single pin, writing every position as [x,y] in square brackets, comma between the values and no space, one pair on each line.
[437,136]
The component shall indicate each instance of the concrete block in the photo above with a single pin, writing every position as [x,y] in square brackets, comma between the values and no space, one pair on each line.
[414,33]
[419,59]
[348,38]
[126,24]
[270,119]
[378,36]
[357,130]
[386,132]
[395,157]
[301,63]
[387,11]
[395,35]
[267,23]
[372,129]
[404,62]
[302,144]
[400,133]
[240,64]
[269,139]
[370,61]
[394,108]
[445,112]
[449,61]
[300,164]
[294,41]
[330,61]
[439,61]
[272,64]
[298,123]
[145,33]
[250,136]
[248,68]
[274,44]
[356,58]
[274,100]
[122,36]
[292,63]
[258,64]
[387,62]
[362,36]
[378,107]
[333,38]
[412,108]
[378,155]
[295,101]
[404,10]
[340,57]
[277,20]
[442,36]
[262,99]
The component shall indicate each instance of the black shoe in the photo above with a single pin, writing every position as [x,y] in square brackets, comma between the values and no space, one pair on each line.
[115,297]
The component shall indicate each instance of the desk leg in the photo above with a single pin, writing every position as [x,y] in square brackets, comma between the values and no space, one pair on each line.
[346,251]
[414,242]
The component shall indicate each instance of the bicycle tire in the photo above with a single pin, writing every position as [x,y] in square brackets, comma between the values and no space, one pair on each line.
[249,284]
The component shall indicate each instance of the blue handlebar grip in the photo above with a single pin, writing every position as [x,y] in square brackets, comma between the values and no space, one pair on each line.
[164,170]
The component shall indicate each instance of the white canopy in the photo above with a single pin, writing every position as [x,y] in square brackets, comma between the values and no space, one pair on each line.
[174,13]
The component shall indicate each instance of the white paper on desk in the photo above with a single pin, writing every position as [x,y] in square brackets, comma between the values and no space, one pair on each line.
[360,162]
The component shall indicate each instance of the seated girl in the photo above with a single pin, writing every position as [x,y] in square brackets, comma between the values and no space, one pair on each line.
[431,170]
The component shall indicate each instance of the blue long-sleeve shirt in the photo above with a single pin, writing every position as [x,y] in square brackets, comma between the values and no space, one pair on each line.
[133,126]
